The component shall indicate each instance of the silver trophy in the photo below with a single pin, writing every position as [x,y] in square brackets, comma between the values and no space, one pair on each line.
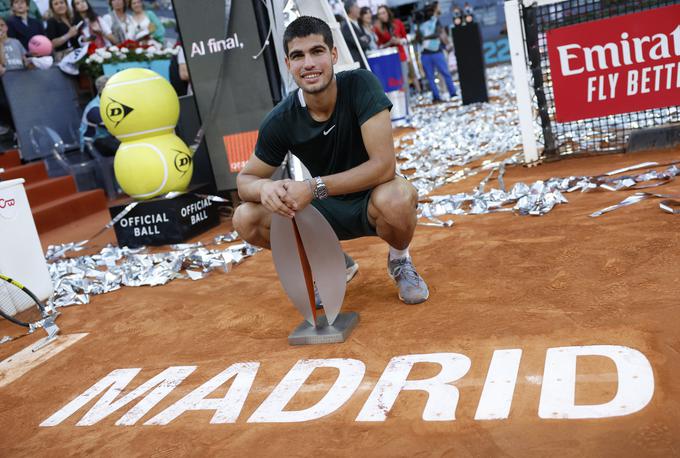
[307,255]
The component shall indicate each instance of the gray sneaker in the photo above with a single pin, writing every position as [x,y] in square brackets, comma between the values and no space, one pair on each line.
[317,298]
[412,287]
[351,267]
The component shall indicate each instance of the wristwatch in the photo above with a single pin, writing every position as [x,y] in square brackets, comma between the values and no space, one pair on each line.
[319,191]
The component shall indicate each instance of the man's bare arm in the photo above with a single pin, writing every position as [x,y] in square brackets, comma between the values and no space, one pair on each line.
[255,185]
[250,179]
[381,164]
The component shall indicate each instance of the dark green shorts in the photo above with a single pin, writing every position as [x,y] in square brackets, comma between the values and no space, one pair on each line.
[347,216]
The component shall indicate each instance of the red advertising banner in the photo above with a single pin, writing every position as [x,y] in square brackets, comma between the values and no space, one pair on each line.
[618,65]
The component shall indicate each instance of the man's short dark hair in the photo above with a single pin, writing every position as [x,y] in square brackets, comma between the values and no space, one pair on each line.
[349,4]
[305,26]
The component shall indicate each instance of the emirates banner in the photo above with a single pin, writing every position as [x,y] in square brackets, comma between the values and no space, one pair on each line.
[619,65]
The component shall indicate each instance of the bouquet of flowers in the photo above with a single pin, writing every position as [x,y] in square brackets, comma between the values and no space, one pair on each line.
[127,51]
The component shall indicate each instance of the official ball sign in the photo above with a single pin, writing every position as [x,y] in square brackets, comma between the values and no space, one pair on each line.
[164,221]
[618,65]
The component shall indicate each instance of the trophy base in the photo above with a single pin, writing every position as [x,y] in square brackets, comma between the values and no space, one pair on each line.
[306,334]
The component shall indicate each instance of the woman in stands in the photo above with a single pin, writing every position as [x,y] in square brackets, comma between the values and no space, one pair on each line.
[92,30]
[12,52]
[12,57]
[366,23]
[146,23]
[391,32]
[119,21]
[61,29]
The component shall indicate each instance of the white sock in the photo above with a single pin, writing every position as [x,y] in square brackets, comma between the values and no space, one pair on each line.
[398,254]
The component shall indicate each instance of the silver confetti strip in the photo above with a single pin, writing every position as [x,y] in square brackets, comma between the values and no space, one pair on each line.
[436,222]
[634,199]
[226,238]
[541,197]
[76,279]
[537,199]
[450,136]
[632,167]
[630,200]
[55,252]
[670,206]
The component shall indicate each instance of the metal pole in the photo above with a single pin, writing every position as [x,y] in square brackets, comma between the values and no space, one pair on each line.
[521,76]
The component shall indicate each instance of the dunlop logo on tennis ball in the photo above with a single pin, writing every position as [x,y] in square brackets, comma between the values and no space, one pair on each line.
[153,166]
[182,162]
[116,111]
[156,107]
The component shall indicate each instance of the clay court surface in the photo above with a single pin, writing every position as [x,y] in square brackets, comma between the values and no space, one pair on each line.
[497,282]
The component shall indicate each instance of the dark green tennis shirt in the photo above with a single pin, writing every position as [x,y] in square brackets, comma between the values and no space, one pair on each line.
[328,147]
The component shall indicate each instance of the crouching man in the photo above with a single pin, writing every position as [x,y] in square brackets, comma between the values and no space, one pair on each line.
[339,127]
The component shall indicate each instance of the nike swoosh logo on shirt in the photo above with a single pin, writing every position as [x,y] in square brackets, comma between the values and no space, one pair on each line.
[326,132]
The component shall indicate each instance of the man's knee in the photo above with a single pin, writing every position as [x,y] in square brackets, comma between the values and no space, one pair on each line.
[248,219]
[395,199]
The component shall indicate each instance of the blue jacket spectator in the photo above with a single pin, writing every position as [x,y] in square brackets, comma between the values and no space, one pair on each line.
[92,129]
[430,31]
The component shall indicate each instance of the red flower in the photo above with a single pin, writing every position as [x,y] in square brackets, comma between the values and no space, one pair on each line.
[132,45]
[91,48]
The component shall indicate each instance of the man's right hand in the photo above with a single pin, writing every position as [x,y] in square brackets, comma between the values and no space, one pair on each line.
[274,197]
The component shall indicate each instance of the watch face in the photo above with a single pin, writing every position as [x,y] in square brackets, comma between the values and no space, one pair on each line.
[321,189]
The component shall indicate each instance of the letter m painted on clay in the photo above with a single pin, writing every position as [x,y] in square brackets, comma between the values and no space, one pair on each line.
[112,386]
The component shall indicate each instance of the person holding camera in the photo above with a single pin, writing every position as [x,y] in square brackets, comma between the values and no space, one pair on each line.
[433,38]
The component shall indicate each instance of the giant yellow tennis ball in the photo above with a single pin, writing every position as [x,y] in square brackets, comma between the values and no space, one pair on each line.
[138,103]
[153,166]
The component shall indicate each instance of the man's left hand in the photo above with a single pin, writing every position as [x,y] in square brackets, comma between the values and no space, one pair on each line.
[300,193]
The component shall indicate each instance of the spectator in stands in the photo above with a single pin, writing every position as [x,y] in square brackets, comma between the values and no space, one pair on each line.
[119,21]
[391,32]
[6,10]
[366,24]
[179,73]
[12,52]
[92,129]
[20,25]
[61,29]
[12,57]
[433,38]
[457,14]
[93,29]
[468,13]
[353,12]
[146,23]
